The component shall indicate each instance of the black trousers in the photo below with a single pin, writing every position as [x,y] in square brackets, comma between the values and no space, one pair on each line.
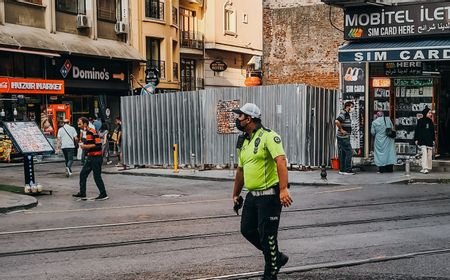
[259,225]
[92,164]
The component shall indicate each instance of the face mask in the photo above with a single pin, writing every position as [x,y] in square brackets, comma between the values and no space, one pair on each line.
[239,126]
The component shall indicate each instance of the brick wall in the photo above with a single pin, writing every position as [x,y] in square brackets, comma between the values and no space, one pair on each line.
[277,4]
[300,45]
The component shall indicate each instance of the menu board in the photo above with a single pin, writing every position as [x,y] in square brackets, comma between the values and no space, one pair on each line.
[226,119]
[28,138]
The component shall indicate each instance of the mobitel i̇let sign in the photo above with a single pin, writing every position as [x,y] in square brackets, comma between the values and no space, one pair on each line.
[397,21]
[31,86]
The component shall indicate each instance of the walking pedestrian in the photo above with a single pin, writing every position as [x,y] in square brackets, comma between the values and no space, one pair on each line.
[92,145]
[262,169]
[424,138]
[344,125]
[66,139]
[97,123]
[104,134]
[117,138]
[384,149]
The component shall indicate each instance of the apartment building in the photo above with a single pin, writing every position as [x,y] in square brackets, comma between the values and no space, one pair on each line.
[233,41]
[66,54]
[155,34]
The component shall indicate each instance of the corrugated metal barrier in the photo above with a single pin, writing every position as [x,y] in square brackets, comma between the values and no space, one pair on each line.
[303,116]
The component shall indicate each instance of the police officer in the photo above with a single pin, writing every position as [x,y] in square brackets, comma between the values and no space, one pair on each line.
[262,169]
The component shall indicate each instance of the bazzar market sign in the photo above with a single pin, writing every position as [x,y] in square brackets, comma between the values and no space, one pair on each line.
[397,21]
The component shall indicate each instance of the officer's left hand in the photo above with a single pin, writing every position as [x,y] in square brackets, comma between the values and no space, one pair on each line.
[285,198]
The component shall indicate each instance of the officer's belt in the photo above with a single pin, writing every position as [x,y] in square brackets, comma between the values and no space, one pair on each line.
[269,191]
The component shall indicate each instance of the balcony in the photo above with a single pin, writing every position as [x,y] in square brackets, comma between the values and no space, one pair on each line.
[154,9]
[192,40]
[160,65]
[197,2]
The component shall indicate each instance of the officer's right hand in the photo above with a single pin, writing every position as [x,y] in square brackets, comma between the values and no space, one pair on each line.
[236,199]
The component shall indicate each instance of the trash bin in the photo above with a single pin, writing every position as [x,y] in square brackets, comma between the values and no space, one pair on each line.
[335,163]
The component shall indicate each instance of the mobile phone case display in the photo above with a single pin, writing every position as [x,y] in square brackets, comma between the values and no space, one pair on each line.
[410,100]
[381,100]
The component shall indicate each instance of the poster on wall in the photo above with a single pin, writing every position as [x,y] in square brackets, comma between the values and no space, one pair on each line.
[353,88]
[225,116]
[28,138]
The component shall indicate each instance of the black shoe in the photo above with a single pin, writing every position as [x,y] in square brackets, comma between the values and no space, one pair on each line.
[268,277]
[80,196]
[282,260]
[101,197]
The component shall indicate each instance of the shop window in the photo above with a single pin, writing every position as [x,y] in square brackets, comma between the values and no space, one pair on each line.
[106,10]
[230,20]
[6,65]
[71,6]
[19,65]
[154,9]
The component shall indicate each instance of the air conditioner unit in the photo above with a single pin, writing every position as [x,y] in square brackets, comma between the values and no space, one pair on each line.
[121,27]
[82,21]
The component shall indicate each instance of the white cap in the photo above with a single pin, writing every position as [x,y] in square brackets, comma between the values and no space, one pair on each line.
[249,109]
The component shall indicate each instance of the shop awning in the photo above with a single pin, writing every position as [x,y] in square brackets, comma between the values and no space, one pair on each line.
[406,50]
[37,39]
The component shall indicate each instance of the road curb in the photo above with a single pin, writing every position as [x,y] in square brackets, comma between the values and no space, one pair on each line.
[19,206]
[205,178]
[421,180]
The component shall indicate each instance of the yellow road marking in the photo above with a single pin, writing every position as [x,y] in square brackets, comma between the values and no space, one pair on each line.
[341,190]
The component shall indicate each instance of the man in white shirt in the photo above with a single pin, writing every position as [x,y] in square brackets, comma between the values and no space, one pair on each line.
[67,136]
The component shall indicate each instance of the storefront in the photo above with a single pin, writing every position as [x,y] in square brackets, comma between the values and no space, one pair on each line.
[398,61]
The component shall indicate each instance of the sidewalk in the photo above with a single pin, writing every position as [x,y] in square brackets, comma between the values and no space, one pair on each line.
[309,178]
[12,201]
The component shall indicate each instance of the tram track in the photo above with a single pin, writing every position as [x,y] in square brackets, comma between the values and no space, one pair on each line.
[227,216]
[212,235]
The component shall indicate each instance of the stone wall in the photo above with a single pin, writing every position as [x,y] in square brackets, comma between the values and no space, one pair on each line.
[300,44]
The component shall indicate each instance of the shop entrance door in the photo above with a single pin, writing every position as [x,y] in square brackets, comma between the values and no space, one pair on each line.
[444,115]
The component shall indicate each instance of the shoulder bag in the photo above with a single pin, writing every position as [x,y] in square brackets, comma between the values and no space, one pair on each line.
[390,132]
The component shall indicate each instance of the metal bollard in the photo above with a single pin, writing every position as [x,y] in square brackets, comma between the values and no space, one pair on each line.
[407,167]
[193,162]
[231,174]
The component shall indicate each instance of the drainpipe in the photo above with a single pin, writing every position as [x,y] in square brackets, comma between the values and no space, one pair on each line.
[2,12]
[52,16]
[94,20]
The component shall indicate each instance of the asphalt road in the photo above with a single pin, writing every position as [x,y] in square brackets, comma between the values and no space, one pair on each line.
[164,228]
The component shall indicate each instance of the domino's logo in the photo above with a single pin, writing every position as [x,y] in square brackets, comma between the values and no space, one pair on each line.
[65,69]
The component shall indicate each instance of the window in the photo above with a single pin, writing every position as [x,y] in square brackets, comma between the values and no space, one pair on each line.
[230,20]
[245,18]
[153,52]
[71,6]
[106,10]
[154,9]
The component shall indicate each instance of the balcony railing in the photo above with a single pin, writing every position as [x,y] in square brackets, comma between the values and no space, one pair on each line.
[192,40]
[175,71]
[154,9]
[189,84]
[160,65]
[174,15]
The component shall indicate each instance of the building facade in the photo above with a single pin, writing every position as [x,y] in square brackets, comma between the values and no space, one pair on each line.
[301,38]
[233,41]
[61,58]
[396,60]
